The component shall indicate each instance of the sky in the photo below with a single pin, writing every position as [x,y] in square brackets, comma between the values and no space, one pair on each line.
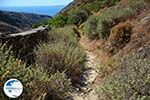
[33,2]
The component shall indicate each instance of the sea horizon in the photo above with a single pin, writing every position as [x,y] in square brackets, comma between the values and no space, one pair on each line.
[40,10]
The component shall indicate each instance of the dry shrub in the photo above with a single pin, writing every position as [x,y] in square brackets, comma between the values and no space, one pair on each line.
[65,34]
[62,53]
[120,35]
[140,36]
[62,57]
[41,86]
[131,83]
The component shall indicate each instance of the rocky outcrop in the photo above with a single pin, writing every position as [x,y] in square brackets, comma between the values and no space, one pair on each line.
[23,44]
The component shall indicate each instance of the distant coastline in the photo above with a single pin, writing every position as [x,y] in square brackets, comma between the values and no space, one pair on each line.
[41,10]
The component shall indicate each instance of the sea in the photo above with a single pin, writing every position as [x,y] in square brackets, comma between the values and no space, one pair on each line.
[42,10]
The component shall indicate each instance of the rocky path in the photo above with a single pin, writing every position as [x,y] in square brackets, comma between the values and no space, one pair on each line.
[88,92]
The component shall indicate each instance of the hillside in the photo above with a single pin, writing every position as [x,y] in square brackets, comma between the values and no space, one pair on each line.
[91,50]
[73,4]
[11,22]
[87,15]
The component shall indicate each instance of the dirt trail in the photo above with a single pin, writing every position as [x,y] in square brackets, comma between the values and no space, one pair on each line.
[89,91]
[95,57]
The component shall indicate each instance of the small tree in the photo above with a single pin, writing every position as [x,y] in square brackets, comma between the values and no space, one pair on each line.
[90,28]
[58,21]
[78,17]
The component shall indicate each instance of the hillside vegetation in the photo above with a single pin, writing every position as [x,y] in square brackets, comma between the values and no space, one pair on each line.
[118,28]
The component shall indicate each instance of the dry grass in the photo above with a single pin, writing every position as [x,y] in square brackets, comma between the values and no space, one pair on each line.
[95,47]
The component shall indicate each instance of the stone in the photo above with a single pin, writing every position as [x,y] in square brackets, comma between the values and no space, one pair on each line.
[23,44]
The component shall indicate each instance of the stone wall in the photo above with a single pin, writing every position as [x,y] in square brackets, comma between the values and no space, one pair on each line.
[23,44]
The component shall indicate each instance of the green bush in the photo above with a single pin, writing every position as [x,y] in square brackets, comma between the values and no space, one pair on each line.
[90,28]
[58,21]
[137,4]
[62,57]
[133,81]
[97,5]
[37,83]
[110,18]
[78,17]
[40,24]
[89,7]
[106,20]
[9,67]
[65,34]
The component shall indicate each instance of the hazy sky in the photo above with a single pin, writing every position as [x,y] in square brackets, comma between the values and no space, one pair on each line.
[33,2]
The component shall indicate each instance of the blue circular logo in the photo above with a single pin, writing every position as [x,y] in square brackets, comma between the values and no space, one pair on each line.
[13,88]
